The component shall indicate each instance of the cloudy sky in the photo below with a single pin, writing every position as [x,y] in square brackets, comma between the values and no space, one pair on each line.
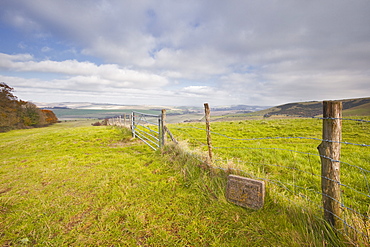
[185,52]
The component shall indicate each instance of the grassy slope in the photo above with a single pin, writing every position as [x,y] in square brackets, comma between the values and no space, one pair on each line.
[363,110]
[351,107]
[78,185]
[294,162]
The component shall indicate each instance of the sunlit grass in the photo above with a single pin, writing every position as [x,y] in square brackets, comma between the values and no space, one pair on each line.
[291,165]
[77,185]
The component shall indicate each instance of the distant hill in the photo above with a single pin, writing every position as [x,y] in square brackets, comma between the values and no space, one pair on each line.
[240,108]
[351,107]
[73,110]
[98,106]
[76,110]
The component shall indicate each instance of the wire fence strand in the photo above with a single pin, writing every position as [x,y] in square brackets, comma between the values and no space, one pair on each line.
[352,193]
[265,157]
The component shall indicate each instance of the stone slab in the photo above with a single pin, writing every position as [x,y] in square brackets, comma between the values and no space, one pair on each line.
[245,192]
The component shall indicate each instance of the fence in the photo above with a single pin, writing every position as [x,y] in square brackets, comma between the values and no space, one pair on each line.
[147,127]
[302,163]
[293,164]
[121,121]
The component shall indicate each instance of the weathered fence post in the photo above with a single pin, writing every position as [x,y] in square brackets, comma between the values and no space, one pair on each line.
[329,150]
[208,130]
[170,134]
[162,129]
[133,124]
[124,119]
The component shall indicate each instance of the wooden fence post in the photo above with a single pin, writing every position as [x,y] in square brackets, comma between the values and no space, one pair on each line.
[124,119]
[208,130]
[133,124]
[329,150]
[170,134]
[162,129]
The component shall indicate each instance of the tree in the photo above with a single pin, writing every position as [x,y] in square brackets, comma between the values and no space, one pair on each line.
[32,116]
[6,93]
[49,116]
[9,108]
[17,114]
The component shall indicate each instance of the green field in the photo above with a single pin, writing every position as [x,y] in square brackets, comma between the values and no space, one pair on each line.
[284,153]
[73,184]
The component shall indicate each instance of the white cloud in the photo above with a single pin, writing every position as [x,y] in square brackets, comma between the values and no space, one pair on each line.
[253,52]
[110,74]
[198,90]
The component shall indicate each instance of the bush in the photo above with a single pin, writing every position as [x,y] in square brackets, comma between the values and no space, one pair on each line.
[96,124]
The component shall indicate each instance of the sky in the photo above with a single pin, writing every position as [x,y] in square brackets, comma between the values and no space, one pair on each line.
[185,52]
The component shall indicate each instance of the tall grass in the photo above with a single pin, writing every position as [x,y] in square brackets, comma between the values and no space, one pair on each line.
[291,166]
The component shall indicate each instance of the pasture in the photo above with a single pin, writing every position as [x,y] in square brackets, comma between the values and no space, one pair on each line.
[73,184]
[283,153]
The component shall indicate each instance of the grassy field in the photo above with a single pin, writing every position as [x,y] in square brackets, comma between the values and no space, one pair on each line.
[73,184]
[284,153]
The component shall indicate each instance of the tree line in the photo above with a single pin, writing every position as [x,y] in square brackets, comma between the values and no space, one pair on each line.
[19,114]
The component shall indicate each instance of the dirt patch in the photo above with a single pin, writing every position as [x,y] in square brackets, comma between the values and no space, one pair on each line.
[125,143]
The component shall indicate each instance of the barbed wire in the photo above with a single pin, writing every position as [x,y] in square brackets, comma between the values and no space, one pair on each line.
[283,185]
[316,117]
[193,138]
[288,186]
[344,185]
[295,151]
[347,119]
[313,174]
[288,115]
[296,188]
[272,138]
[310,173]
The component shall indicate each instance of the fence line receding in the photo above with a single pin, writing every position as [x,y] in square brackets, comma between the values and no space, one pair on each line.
[290,163]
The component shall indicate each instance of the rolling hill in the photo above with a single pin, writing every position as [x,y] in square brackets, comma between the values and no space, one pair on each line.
[351,107]
[68,110]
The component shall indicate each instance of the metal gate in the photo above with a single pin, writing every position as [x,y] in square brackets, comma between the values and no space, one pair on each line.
[148,128]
